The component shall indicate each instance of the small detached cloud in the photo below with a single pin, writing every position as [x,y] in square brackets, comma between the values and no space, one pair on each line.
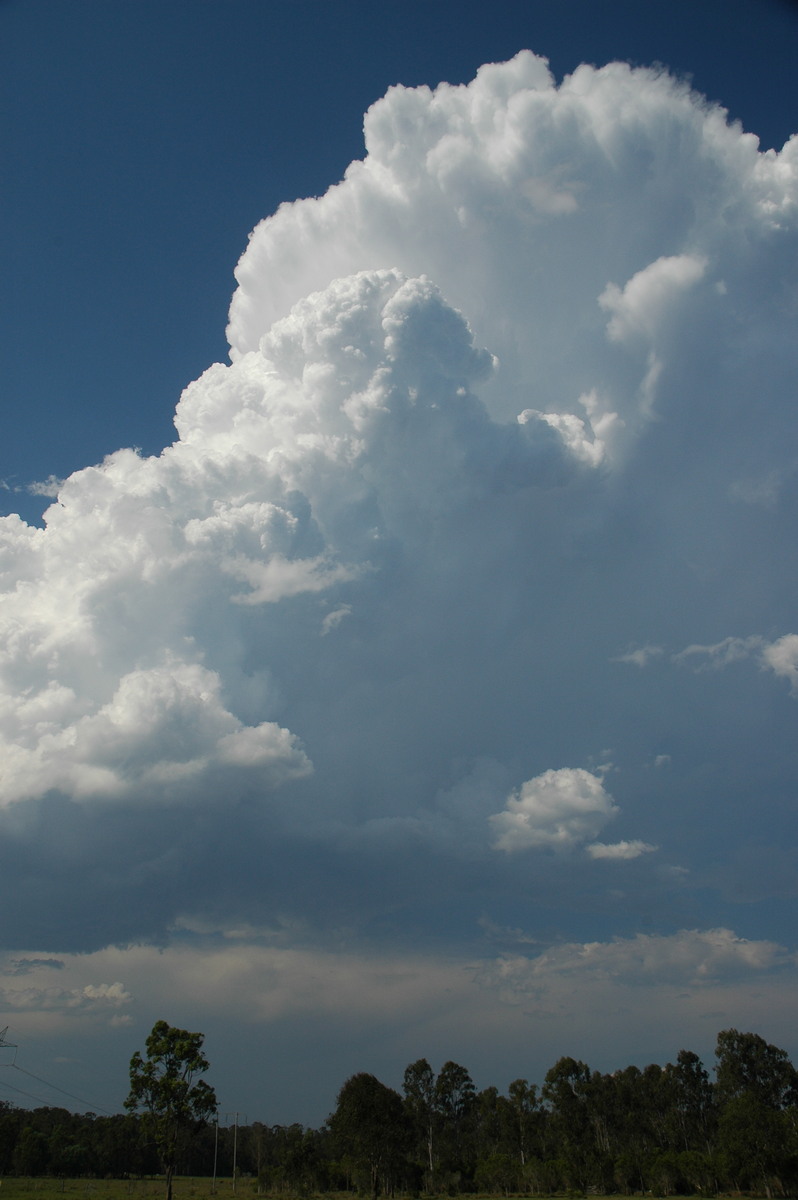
[106,993]
[333,619]
[721,654]
[47,487]
[640,657]
[556,810]
[620,850]
[782,658]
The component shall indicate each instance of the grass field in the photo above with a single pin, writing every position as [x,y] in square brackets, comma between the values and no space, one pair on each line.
[153,1189]
[118,1189]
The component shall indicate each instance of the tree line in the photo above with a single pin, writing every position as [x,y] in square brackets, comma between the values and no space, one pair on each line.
[667,1130]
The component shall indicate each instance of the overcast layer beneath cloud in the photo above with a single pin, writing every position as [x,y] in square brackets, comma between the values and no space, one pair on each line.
[405,637]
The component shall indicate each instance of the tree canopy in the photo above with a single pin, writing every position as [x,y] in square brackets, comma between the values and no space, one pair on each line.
[659,1130]
[163,1087]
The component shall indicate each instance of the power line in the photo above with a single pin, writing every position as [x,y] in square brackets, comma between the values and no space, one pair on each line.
[30,1095]
[72,1096]
[46,1082]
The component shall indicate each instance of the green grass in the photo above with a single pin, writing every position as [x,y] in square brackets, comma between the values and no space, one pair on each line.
[119,1189]
[183,1188]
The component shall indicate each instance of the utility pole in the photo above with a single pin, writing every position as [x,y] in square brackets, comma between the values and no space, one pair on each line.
[215,1154]
[235,1143]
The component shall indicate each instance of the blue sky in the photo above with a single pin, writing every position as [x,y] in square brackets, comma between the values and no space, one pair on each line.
[435,692]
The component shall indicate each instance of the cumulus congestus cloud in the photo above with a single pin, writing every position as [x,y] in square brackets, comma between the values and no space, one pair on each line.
[509,402]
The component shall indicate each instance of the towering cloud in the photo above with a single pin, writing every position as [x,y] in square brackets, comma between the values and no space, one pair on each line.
[398,624]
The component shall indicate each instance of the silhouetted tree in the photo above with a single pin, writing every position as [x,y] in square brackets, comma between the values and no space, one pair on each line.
[370,1127]
[419,1090]
[163,1087]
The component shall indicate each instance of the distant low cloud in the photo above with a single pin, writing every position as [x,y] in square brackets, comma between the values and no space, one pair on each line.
[690,957]
[91,997]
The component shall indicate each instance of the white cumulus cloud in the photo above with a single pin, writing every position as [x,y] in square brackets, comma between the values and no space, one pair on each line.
[492,402]
[557,809]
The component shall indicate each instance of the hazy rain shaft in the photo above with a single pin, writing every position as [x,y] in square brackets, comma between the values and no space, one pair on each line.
[461,615]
